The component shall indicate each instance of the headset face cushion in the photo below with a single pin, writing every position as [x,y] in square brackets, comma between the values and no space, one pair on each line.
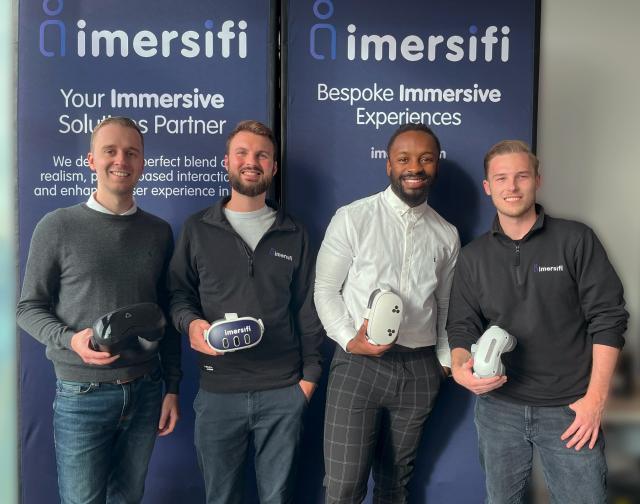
[121,328]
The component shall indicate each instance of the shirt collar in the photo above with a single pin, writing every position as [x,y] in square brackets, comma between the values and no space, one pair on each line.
[400,207]
[93,204]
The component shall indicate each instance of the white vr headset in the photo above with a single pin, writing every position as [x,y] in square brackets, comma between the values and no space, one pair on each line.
[384,313]
[488,350]
[234,333]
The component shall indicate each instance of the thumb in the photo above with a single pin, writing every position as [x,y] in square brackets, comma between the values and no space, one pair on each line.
[468,364]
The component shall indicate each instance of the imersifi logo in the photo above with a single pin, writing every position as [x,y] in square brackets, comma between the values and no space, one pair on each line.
[224,39]
[472,43]
[547,269]
[241,330]
[273,252]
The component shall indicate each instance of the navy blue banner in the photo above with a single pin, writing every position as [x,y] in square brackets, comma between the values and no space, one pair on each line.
[355,71]
[186,72]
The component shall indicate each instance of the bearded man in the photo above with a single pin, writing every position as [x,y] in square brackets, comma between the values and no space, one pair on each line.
[245,256]
[379,396]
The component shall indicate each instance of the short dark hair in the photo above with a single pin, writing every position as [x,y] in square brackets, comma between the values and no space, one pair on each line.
[255,127]
[510,147]
[412,127]
[121,121]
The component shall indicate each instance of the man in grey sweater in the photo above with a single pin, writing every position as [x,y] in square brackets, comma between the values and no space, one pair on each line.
[85,261]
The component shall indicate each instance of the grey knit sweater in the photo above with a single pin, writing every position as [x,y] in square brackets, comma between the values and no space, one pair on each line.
[83,264]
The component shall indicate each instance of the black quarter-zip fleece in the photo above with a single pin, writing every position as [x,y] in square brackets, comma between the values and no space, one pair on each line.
[213,272]
[555,291]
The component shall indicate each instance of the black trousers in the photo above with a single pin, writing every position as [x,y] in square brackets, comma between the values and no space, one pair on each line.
[375,411]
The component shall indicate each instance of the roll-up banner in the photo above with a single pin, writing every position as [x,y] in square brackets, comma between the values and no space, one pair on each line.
[186,72]
[355,71]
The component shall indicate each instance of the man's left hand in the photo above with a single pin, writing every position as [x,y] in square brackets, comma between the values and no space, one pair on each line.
[169,414]
[586,426]
[307,388]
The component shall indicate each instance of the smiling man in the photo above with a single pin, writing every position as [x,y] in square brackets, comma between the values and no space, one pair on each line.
[85,261]
[245,256]
[548,283]
[379,396]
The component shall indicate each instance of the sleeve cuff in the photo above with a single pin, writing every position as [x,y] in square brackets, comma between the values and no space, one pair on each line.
[187,321]
[171,386]
[609,338]
[66,338]
[343,337]
[459,343]
[312,373]
[444,356]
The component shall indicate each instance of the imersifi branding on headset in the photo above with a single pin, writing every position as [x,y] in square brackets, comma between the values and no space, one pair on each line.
[234,333]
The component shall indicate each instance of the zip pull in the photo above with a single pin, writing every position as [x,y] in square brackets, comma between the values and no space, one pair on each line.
[517,253]
[249,254]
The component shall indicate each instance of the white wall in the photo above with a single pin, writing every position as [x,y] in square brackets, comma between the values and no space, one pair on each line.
[589,128]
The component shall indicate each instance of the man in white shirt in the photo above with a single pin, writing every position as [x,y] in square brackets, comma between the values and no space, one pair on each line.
[379,396]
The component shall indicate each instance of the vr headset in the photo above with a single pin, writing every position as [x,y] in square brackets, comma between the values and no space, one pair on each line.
[233,333]
[487,352]
[135,328]
[384,313]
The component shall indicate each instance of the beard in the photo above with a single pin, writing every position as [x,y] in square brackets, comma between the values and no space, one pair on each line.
[250,190]
[412,197]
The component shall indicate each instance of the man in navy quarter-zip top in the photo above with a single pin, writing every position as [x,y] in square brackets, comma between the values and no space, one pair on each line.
[244,255]
[548,282]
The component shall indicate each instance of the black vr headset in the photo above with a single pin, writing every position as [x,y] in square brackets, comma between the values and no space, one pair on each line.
[136,328]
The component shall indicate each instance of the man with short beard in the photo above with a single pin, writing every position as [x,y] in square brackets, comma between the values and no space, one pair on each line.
[379,396]
[243,255]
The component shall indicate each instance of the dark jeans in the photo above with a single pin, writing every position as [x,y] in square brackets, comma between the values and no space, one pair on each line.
[104,435]
[227,423]
[507,433]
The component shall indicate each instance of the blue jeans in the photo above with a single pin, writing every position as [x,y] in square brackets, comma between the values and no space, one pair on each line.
[104,435]
[225,424]
[507,433]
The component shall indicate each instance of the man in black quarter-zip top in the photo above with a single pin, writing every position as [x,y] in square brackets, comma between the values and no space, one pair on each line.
[547,282]
[245,256]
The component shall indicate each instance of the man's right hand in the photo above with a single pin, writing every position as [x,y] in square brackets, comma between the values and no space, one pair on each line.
[360,345]
[197,328]
[462,371]
[81,344]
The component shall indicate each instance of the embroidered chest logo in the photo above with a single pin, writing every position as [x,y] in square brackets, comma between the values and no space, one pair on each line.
[537,268]
[273,252]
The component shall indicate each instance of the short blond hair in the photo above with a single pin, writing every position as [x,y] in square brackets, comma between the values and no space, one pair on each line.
[510,147]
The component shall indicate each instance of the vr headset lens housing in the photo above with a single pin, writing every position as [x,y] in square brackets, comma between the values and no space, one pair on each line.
[487,352]
[135,327]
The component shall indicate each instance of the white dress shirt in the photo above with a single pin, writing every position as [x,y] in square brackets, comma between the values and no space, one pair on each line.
[380,242]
